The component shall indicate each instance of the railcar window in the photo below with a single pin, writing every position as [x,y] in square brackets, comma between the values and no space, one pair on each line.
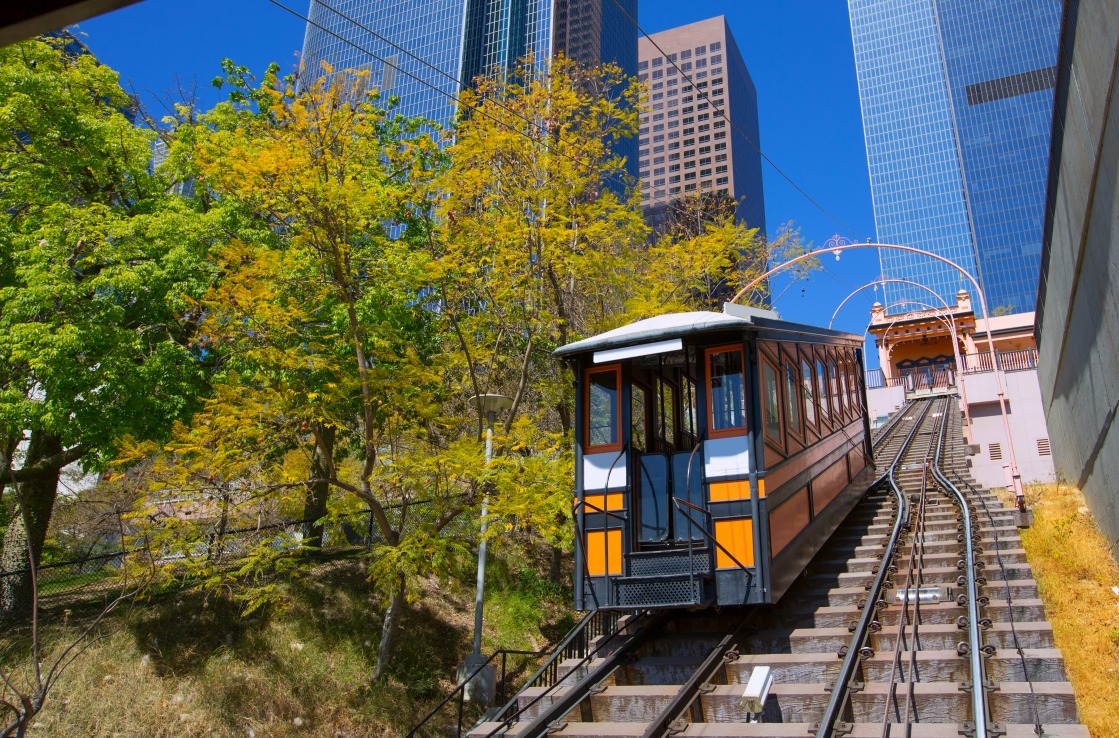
[853,386]
[769,399]
[822,385]
[843,383]
[809,393]
[727,396]
[667,395]
[691,415]
[638,417]
[792,397]
[603,408]
[833,386]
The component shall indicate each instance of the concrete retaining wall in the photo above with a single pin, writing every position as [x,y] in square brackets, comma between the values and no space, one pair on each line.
[1078,300]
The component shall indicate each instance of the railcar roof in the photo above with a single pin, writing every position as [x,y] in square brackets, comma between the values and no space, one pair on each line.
[676,325]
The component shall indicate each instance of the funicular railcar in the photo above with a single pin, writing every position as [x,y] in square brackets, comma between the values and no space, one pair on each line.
[715,454]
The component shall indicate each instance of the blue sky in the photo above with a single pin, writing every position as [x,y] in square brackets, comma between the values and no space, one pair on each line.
[798,53]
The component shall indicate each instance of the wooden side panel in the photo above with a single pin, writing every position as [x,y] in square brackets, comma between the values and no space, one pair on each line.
[828,484]
[856,461]
[600,545]
[773,457]
[726,491]
[787,520]
[736,535]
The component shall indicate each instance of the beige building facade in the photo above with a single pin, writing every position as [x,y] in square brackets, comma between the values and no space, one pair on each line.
[928,351]
[699,130]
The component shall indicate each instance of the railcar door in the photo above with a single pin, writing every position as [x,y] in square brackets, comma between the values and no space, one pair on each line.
[663,437]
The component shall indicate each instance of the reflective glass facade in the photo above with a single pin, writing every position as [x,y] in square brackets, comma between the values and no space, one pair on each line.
[458,40]
[957,102]
[431,30]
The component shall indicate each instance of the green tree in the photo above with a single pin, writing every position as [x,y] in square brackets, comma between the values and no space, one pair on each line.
[97,267]
[328,365]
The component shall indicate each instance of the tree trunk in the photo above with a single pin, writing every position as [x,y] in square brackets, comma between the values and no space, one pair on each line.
[29,531]
[557,559]
[318,489]
[390,630]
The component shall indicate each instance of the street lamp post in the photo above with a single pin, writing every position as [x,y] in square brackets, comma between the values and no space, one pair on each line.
[482,683]
[837,245]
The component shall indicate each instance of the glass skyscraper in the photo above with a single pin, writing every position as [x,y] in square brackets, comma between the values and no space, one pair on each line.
[458,40]
[957,103]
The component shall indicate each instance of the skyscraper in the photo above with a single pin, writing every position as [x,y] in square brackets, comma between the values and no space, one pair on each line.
[957,103]
[425,51]
[686,147]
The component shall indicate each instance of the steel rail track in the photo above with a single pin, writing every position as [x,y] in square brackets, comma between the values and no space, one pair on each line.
[975,648]
[683,675]
[841,690]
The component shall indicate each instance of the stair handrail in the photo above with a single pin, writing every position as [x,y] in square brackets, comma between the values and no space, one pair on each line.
[505,720]
[460,688]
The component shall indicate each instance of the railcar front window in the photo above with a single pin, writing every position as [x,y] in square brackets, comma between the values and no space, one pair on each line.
[728,411]
[603,408]
[638,417]
[691,417]
[666,393]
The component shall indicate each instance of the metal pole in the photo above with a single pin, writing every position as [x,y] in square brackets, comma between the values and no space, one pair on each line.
[480,589]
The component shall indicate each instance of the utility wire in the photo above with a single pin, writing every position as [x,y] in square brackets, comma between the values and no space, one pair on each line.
[723,115]
[435,69]
[702,93]
[423,82]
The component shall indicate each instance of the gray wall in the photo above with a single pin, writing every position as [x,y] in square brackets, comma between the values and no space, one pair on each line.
[1078,298]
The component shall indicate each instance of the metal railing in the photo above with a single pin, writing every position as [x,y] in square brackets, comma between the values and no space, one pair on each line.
[876,379]
[459,691]
[1009,361]
[88,576]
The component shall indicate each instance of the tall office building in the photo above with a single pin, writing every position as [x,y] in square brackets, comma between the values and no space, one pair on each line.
[686,147]
[425,51]
[957,103]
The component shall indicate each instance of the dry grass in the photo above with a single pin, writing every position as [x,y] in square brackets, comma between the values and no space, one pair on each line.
[1078,576]
[187,668]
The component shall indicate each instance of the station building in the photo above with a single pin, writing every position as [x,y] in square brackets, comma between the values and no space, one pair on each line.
[928,351]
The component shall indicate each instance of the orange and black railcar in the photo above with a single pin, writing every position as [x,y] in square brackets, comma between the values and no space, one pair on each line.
[715,454]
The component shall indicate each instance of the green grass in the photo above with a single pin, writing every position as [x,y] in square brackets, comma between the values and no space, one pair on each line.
[186,665]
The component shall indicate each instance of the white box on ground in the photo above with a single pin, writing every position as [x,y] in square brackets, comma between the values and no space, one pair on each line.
[757,689]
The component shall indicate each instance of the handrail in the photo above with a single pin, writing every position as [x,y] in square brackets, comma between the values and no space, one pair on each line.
[506,722]
[460,688]
[708,535]
[596,508]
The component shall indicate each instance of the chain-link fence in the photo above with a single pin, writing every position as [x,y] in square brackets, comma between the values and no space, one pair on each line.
[94,576]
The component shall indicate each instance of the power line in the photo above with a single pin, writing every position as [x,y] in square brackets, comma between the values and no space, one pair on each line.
[434,68]
[723,115]
[423,82]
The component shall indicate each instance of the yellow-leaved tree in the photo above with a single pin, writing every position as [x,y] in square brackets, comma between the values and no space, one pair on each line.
[328,394]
